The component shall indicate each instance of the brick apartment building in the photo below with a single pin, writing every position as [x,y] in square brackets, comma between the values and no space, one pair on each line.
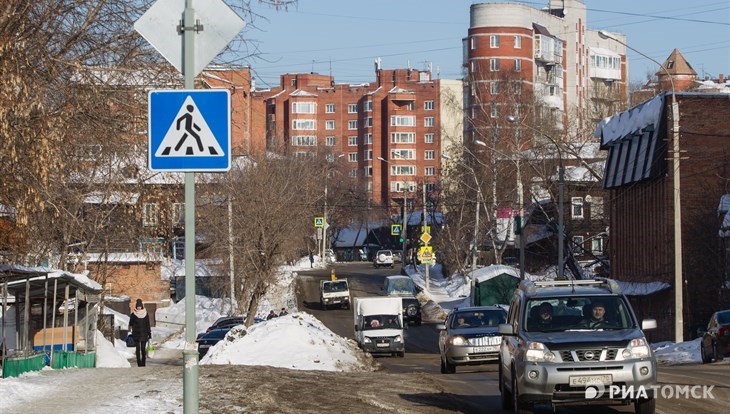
[405,117]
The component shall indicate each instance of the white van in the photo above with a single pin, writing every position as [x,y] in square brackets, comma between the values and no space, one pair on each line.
[379,325]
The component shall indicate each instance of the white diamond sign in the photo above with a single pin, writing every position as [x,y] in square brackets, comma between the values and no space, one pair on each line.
[160,27]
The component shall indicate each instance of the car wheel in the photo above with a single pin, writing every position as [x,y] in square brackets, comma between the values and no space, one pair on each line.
[402,354]
[518,407]
[448,367]
[645,406]
[324,307]
[506,396]
[703,354]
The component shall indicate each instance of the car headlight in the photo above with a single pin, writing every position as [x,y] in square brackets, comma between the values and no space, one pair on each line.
[398,339]
[637,349]
[538,352]
[458,341]
[366,340]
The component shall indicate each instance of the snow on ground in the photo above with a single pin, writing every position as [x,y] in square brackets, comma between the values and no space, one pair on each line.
[296,341]
[672,353]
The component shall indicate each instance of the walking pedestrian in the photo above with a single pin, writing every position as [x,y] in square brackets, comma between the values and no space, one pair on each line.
[311,260]
[139,325]
[271,315]
[283,312]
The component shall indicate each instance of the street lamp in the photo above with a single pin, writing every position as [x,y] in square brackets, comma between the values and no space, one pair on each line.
[561,185]
[404,230]
[678,288]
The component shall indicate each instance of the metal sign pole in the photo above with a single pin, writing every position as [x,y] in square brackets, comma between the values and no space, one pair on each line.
[190,353]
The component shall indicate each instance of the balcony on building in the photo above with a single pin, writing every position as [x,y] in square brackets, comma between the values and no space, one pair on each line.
[604,64]
[548,49]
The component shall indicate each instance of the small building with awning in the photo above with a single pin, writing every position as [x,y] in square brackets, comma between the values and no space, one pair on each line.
[37,306]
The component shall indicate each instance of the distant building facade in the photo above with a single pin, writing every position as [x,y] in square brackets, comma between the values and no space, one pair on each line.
[400,118]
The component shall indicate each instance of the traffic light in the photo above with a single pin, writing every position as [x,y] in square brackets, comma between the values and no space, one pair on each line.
[400,239]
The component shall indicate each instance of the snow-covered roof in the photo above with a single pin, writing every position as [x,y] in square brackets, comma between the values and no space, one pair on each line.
[301,93]
[203,268]
[397,89]
[642,289]
[115,197]
[493,271]
[129,257]
[375,91]
[23,273]
[622,125]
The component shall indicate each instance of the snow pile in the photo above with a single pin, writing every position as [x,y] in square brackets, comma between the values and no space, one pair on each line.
[672,353]
[107,356]
[171,320]
[296,341]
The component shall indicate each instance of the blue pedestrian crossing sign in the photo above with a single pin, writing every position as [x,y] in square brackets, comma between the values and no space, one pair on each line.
[190,130]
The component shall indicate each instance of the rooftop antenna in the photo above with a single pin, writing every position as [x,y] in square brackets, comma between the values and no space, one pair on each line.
[312,66]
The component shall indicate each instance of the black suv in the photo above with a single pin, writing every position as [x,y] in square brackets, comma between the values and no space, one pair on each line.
[574,342]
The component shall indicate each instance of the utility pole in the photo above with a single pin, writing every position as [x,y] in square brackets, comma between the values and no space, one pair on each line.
[405,229]
[475,242]
[324,228]
[561,213]
[425,230]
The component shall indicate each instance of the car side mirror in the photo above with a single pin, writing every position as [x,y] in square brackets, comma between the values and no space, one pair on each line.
[506,329]
[648,324]
[441,327]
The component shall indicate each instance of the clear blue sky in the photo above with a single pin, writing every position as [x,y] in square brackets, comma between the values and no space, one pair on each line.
[342,37]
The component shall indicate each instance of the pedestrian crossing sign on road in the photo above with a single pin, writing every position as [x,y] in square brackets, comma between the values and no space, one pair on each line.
[190,130]
[319,222]
[425,254]
[395,229]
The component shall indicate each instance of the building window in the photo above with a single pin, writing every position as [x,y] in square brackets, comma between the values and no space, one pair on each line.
[368,155]
[430,171]
[578,242]
[352,141]
[402,120]
[428,105]
[402,170]
[401,186]
[403,154]
[368,106]
[353,172]
[493,112]
[304,107]
[352,124]
[329,108]
[369,122]
[597,245]
[428,138]
[368,171]
[330,158]
[576,207]
[494,41]
[597,208]
[178,214]
[304,141]
[429,155]
[402,137]
[409,106]
[518,65]
[329,141]
[150,214]
[494,88]
[473,42]
[305,124]
[351,108]
[368,139]
[473,67]
[494,64]
[428,121]
[518,88]
[352,157]
[518,42]
[430,187]
[329,124]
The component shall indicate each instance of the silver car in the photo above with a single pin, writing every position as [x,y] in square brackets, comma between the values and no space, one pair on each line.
[470,336]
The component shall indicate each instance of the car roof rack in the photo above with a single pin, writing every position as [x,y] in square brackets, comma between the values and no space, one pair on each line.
[532,286]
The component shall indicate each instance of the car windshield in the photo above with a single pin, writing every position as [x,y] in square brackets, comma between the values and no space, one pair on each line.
[381,322]
[723,317]
[338,286]
[577,313]
[478,319]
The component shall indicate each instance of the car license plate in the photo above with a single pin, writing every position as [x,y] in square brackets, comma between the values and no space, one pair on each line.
[382,345]
[583,380]
[480,349]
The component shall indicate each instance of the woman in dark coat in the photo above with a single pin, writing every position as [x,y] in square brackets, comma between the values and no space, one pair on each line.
[139,325]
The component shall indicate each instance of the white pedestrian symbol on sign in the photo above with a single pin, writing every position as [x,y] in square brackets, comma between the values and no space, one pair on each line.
[189,134]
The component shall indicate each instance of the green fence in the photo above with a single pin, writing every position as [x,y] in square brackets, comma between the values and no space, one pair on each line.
[14,366]
[73,359]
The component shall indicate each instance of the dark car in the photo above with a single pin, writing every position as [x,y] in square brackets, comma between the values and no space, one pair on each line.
[716,340]
[210,338]
[226,322]
[411,310]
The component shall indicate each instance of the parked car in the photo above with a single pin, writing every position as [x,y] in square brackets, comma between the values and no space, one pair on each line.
[469,336]
[565,341]
[226,322]
[397,257]
[383,258]
[208,339]
[715,343]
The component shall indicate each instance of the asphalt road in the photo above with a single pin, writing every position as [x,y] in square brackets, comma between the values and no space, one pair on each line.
[477,387]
